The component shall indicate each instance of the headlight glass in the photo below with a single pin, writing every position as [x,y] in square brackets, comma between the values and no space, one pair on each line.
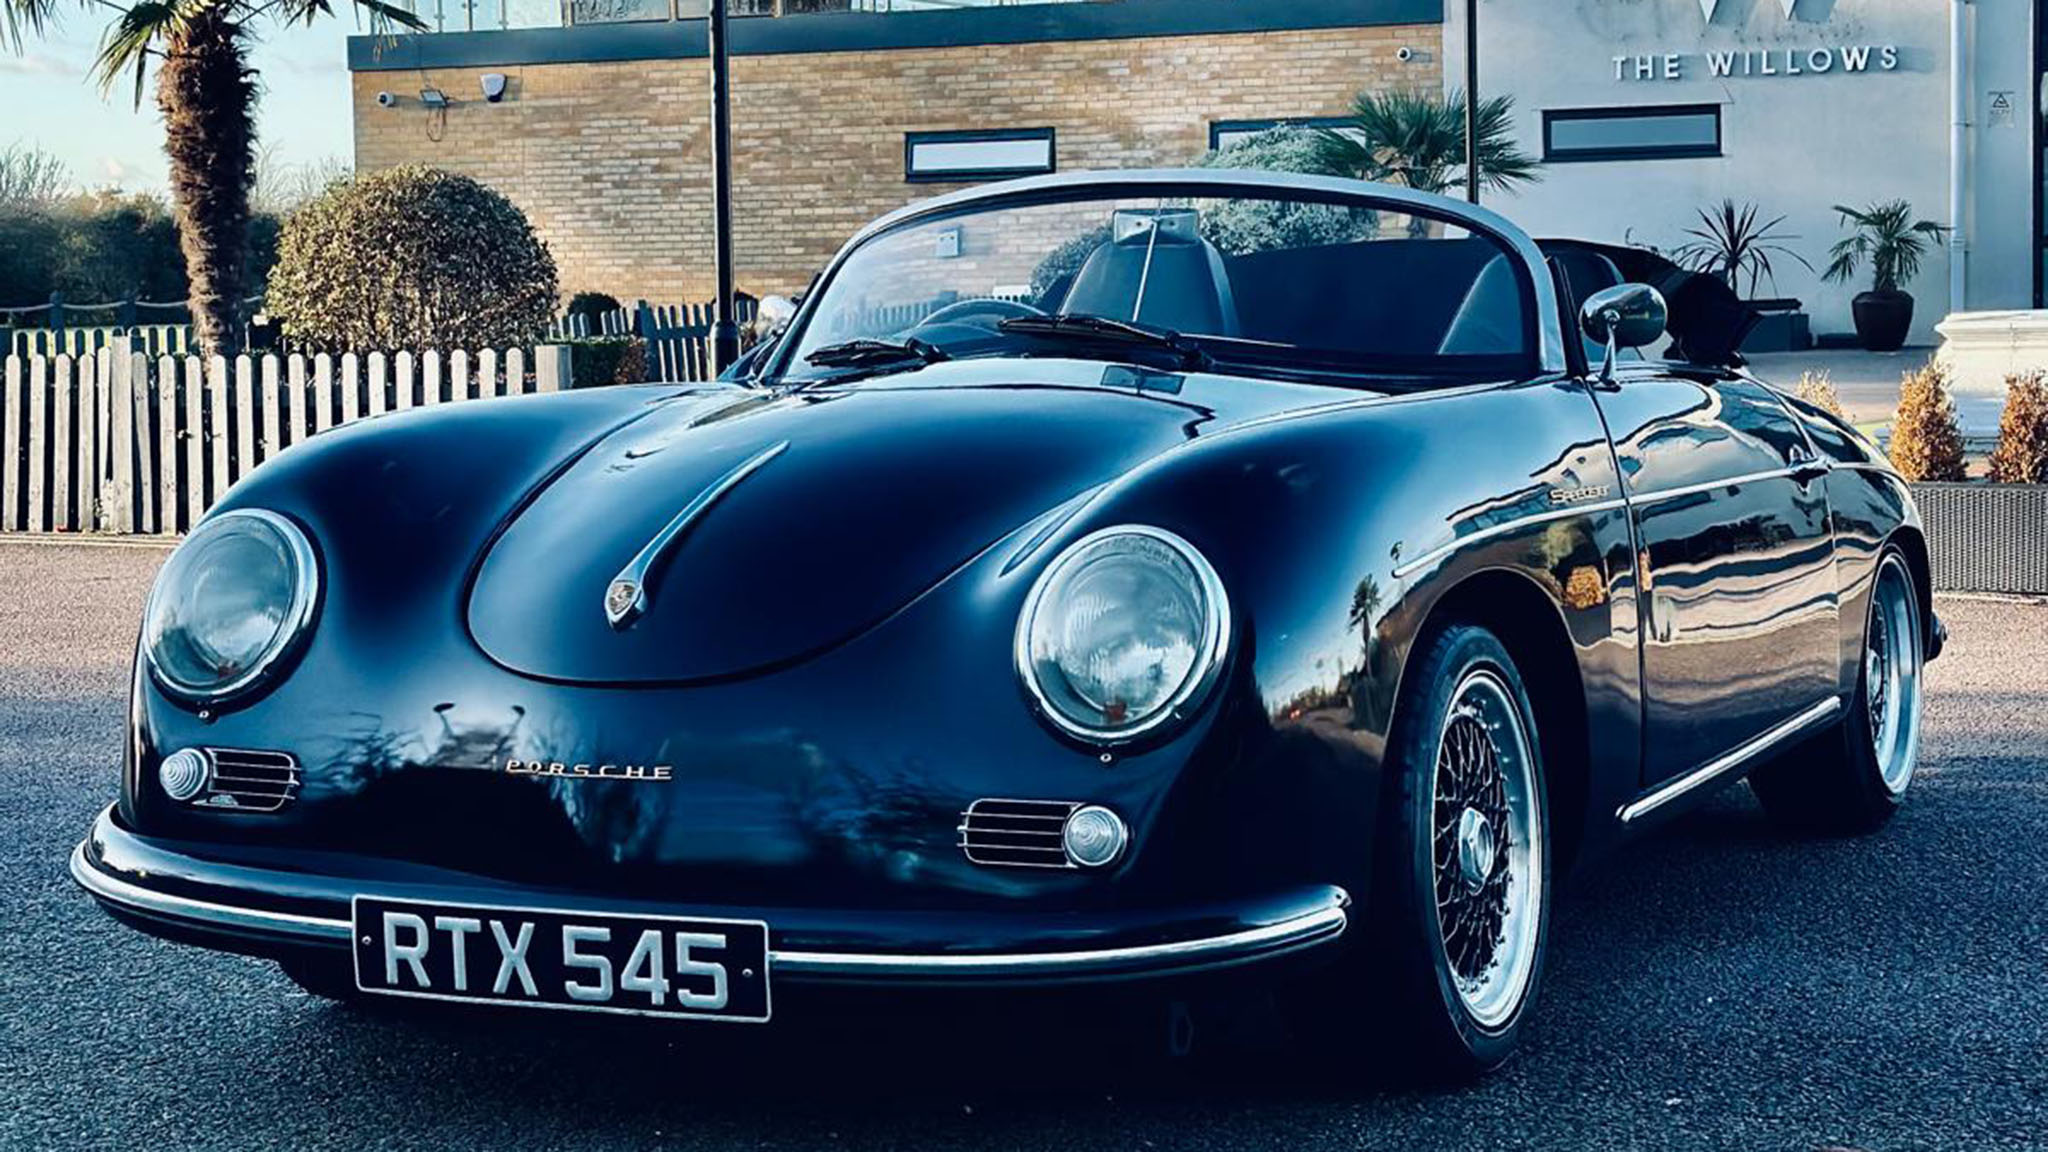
[1122,633]
[228,604]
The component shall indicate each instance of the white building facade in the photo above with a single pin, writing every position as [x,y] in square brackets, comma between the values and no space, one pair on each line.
[1647,111]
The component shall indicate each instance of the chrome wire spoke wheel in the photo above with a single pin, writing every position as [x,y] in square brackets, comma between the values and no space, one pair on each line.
[1891,674]
[1487,848]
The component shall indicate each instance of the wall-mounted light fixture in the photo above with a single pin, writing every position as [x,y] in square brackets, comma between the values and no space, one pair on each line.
[433,98]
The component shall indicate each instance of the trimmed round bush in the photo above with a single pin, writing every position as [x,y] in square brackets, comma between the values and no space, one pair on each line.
[411,258]
[1240,226]
[595,305]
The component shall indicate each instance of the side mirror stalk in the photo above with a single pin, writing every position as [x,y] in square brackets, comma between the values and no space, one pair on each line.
[1624,316]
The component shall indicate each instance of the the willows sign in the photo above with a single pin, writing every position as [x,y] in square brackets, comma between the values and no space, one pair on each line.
[1774,62]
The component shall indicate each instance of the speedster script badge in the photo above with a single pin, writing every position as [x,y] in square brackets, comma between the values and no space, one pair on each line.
[650,772]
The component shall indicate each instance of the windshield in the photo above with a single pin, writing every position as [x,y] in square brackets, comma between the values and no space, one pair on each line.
[1277,280]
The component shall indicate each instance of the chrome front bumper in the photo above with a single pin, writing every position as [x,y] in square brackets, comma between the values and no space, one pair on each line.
[1314,919]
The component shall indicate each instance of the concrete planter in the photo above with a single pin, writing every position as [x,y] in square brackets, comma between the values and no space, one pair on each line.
[1980,349]
[1987,537]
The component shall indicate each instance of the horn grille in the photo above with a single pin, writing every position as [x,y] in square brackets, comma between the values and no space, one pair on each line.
[1016,833]
[249,780]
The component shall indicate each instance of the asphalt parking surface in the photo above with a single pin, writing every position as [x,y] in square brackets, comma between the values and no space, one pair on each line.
[1720,985]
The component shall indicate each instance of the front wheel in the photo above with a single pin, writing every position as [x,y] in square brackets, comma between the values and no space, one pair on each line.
[1446,967]
[1853,776]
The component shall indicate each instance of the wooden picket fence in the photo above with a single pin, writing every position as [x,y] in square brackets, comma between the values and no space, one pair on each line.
[120,442]
[678,336]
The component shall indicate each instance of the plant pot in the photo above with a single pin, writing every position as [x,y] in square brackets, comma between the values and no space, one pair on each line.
[1883,319]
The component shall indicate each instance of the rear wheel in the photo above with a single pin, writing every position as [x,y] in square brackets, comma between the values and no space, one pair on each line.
[1449,959]
[1853,777]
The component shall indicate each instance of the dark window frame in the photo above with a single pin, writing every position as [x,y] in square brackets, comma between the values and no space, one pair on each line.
[1266,124]
[1552,155]
[911,140]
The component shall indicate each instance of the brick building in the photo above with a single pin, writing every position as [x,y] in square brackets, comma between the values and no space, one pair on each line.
[601,133]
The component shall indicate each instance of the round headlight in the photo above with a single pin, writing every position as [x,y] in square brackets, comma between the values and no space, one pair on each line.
[228,604]
[1122,633]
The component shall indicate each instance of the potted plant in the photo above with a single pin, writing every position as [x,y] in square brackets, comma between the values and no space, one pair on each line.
[1981,537]
[1887,235]
[1730,244]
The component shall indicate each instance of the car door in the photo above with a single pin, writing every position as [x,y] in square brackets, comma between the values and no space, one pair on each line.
[1734,555]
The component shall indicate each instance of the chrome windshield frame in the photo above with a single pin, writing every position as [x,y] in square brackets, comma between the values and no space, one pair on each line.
[1550,355]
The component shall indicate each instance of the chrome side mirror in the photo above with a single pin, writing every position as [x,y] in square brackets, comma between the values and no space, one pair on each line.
[1624,316]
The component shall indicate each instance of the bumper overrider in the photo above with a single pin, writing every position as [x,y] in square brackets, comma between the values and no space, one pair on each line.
[200,895]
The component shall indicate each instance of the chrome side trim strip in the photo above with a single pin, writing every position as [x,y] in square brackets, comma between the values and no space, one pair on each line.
[115,890]
[1710,485]
[625,598]
[1727,763]
[1409,567]
[1310,928]
[1209,951]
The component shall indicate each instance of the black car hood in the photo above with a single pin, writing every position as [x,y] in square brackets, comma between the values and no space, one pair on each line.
[881,491]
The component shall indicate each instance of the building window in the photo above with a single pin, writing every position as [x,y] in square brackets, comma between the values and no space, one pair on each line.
[1224,133]
[960,156]
[1659,132]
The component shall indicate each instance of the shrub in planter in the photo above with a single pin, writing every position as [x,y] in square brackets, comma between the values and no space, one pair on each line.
[1927,443]
[2021,456]
[596,361]
[411,257]
[1818,389]
[1894,243]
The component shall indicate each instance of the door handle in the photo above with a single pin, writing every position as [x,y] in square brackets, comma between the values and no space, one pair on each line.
[1806,467]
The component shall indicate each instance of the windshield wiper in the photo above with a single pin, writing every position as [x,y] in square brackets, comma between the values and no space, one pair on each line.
[1084,326]
[867,353]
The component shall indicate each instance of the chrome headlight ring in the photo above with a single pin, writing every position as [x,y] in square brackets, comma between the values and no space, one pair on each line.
[184,574]
[1183,628]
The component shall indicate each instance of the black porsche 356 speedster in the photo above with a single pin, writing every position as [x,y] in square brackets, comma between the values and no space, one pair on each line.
[1100,577]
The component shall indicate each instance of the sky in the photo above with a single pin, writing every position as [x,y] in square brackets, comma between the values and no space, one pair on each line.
[48,100]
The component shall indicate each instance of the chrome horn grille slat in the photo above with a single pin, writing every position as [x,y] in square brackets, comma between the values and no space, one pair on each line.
[1016,833]
[249,780]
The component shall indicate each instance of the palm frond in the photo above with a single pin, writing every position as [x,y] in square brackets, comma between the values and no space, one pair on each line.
[1730,243]
[128,41]
[21,19]
[1417,138]
[383,16]
[1886,235]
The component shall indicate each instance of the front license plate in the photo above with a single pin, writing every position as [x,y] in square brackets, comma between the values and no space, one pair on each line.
[550,958]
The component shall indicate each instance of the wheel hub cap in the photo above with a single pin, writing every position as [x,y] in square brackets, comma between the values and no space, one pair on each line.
[1476,849]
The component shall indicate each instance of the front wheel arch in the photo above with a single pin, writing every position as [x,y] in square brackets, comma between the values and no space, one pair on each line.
[1517,610]
[1913,545]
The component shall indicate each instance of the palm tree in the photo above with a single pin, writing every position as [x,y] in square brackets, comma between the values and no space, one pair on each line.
[1418,139]
[207,94]
[1886,235]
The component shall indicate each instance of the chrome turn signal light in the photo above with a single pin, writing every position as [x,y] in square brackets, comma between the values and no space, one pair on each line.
[183,774]
[1094,836]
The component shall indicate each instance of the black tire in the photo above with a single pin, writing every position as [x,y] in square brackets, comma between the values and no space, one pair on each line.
[326,979]
[1395,993]
[1836,783]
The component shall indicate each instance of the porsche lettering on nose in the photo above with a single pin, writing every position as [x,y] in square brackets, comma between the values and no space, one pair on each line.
[650,772]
